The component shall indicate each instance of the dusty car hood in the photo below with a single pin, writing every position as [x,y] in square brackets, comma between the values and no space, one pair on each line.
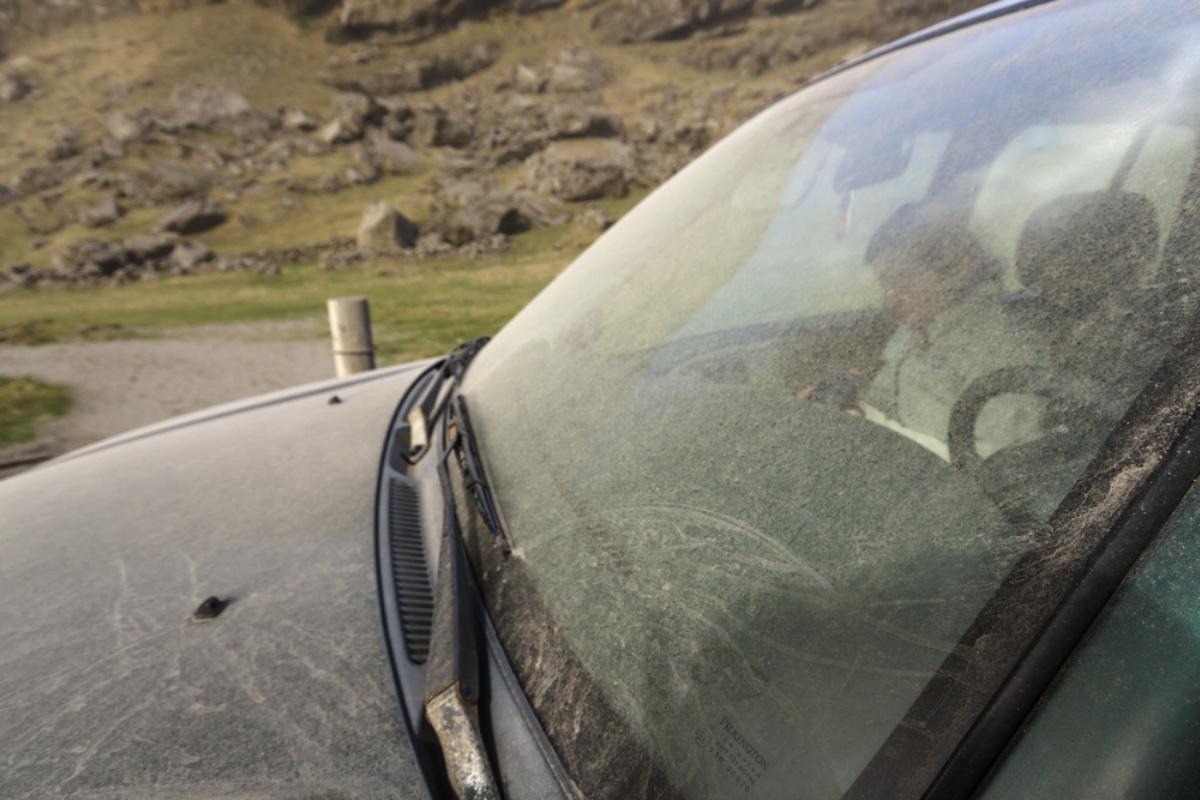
[107,689]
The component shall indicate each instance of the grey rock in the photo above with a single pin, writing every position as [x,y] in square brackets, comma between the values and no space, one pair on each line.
[574,69]
[421,73]
[296,120]
[431,245]
[123,127]
[90,258]
[353,112]
[103,213]
[204,106]
[149,246]
[442,127]
[412,17]
[529,79]
[384,228]
[64,142]
[338,132]
[533,6]
[596,218]
[574,175]
[14,88]
[191,217]
[189,254]
[656,20]
[396,158]
[570,122]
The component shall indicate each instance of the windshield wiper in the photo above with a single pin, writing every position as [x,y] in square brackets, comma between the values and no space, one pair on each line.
[429,406]
[452,671]
[460,439]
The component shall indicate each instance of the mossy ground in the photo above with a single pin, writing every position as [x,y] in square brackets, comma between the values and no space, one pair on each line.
[23,403]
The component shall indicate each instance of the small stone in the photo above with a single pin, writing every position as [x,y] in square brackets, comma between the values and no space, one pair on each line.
[297,120]
[123,127]
[596,218]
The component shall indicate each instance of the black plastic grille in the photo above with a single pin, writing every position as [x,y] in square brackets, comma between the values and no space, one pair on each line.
[410,569]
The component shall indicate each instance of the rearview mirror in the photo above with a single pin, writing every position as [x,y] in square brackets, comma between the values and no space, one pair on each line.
[873,161]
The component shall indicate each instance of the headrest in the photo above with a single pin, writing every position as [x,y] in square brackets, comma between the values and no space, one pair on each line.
[1080,248]
[919,233]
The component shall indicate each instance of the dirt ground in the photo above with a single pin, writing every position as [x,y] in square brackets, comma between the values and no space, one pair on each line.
[120,385]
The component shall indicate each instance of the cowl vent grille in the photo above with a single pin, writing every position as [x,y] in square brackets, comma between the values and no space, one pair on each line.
[410,569]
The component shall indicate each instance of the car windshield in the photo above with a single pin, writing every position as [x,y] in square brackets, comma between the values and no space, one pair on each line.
[770,446]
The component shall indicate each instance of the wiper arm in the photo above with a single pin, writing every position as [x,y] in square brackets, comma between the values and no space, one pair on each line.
[429,406]
[452,671]
[452,684]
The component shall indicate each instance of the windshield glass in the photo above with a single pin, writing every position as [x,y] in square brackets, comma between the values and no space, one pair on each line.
[767,449]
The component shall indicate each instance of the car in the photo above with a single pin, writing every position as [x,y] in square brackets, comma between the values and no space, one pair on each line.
[856,462]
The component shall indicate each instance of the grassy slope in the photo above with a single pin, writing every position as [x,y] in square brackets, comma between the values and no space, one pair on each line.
[23,403]
[419,308]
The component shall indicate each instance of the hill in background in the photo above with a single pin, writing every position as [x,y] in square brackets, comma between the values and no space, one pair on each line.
[147,137]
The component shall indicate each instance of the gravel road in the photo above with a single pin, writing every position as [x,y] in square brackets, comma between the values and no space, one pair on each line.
[121,385]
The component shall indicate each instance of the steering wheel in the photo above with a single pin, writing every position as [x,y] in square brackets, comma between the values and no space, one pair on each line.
[1017,475]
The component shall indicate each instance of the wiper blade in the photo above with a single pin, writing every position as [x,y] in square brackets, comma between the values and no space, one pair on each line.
[461,441]
[427,409]
[452,672]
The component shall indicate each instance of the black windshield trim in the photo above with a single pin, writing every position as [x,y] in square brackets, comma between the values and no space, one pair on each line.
[1000,722]
[952,25]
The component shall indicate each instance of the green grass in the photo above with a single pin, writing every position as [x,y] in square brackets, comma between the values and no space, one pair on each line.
[23,403]
[418,308]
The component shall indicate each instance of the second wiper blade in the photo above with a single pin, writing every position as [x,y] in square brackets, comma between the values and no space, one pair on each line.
[460,438]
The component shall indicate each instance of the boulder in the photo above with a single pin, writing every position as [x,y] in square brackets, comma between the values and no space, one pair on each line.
[191,217]
[187,255]
[574,69]
[395,158]
[534,6]
[436,126]
[384,228]
[64,142]
[90,258]
[470,210]
[567,122]
[575,175]
[101,214]
[421,73]
[203,107]
[353,113]
[626,21]
[149,246]
[360,18]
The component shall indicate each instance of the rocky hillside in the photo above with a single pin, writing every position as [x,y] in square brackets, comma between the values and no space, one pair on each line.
[143,137]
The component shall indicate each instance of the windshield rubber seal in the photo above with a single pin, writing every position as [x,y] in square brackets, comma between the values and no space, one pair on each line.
[952,25]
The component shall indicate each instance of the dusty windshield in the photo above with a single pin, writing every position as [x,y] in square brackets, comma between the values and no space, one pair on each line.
[767,449]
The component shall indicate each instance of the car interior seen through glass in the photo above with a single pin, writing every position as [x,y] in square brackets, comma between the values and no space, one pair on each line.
[795,421]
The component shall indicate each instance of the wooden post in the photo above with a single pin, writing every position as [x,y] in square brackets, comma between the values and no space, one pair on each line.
[350,326]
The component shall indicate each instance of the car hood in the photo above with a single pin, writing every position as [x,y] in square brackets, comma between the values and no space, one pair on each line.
[108,689]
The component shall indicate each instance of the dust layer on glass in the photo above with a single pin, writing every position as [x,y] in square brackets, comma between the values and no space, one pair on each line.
[767,449]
